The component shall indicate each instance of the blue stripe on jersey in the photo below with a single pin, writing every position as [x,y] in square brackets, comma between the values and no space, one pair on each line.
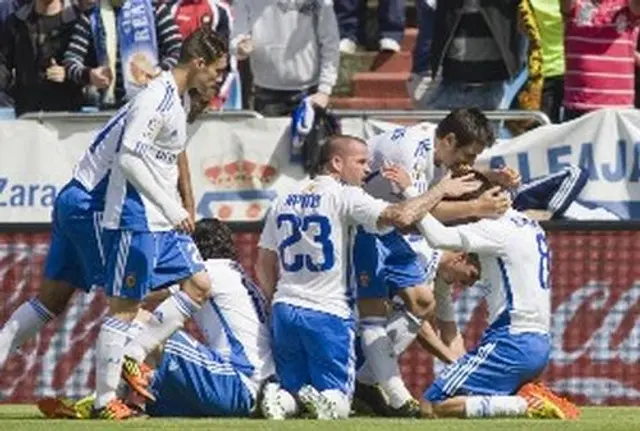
[238,356]
[258,300]
[351,284]
[100,190]
[167,101]
[104,133]
[505,317]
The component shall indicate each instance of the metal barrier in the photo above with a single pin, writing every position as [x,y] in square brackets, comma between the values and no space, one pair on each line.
[106,115]
[381,114]
[538,116]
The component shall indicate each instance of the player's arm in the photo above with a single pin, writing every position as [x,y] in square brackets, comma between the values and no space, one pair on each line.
[267,263]
[186,189]
[479,237]
[492,203]
[144,123]
[431,342]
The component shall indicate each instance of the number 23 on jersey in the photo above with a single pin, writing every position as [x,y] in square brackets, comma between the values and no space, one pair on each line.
[298,226]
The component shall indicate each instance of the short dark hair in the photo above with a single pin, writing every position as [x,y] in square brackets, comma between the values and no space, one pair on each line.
[328,150]
[203,43]
[485,185]
[469,125]
[214,240]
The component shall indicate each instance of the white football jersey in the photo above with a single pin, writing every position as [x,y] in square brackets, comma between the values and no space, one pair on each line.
[412,149]
[311,231]
[93,168]
[515,261]
[235,323]
[155,131]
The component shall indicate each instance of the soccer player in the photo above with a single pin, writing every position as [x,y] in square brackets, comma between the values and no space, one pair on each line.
[223,376]
[388,265]
[515,260]
[75,260]
[145,237]
[304,255]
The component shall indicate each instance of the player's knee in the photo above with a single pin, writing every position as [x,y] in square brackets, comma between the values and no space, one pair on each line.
[198,287]
[372,307]
[55,295]
[123,308]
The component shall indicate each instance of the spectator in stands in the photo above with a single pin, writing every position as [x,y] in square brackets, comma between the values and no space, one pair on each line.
[420,78]
[103,40]
[33,41]
[550,28]
[477,46]
[191,15]
[391,18]
[600,39]
[293,49]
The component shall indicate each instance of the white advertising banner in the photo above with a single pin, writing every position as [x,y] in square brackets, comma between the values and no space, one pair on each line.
[238,166]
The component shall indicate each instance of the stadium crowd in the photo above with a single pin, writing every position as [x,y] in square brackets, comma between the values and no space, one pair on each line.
[555,56]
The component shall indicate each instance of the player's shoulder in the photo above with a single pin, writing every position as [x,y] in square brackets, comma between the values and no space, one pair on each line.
[225,273]
[160,94]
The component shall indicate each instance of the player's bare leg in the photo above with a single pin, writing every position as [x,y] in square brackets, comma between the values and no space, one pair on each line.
[28,319]
[535,405]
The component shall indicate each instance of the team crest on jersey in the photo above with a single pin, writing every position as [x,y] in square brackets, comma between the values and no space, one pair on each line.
[153,127]
[130,281]
[363,279]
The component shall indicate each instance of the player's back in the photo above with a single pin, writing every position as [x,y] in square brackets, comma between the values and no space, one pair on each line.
[408,147]
[155,132]
[93,168]
[235,322]
[517,279]
[314,233]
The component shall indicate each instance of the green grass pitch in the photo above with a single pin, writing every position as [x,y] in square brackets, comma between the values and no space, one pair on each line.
[27,417]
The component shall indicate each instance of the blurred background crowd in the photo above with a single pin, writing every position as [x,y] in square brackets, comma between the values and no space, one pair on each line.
[562,57]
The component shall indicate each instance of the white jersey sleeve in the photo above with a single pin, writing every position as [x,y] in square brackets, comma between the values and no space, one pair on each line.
[268,237]
[410,148]
[360,208]
[484,236]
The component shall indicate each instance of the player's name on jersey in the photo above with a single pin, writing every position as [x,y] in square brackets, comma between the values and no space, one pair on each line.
[303,200]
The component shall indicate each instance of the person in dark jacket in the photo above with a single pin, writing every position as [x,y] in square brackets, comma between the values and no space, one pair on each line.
[33,41]
[476,46]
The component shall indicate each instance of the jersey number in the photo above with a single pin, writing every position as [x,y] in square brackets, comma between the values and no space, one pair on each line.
[543,271]
[299,225]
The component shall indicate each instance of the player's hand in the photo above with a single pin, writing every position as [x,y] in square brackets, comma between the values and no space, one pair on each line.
[320,99]
[100,77]
[456,187]
[397,175]
[458,267]
[506,177]
[187,226]
[244,47]
[54,72]
[492,203]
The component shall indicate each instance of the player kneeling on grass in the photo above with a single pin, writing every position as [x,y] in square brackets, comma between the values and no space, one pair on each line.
[494,379]
[223,376]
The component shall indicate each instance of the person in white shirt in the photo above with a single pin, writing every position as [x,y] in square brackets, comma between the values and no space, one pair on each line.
[146,239]
[390,265]
[515,261]
[224,375]
[304,256]
[75,260]
[221,376]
